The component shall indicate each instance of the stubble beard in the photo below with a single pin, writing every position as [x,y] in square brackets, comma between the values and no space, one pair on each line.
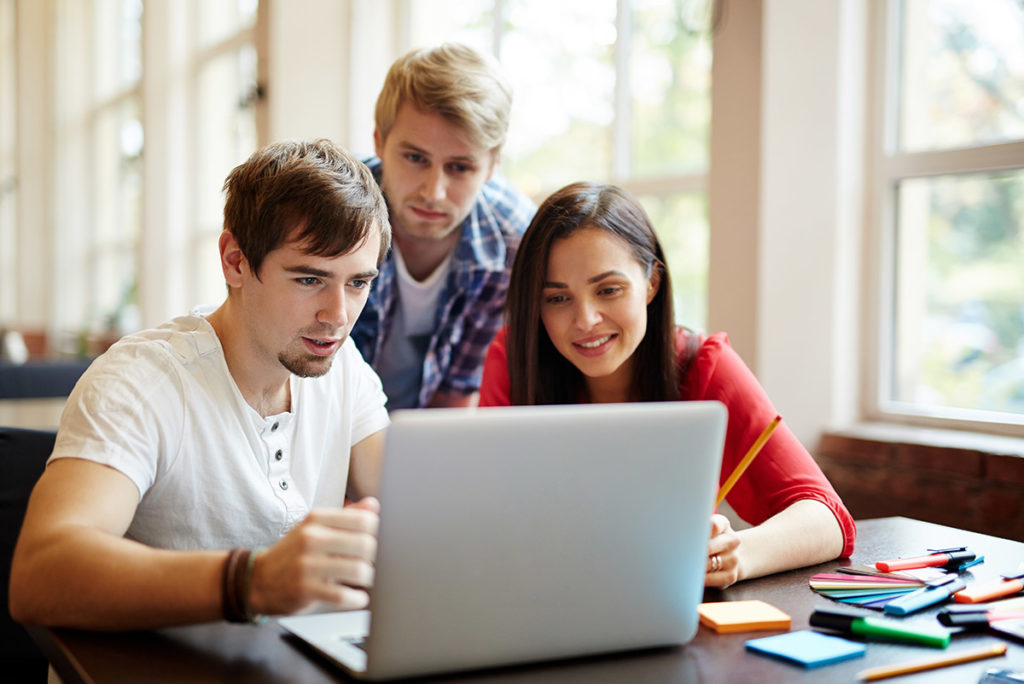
[308,367]
[305,365]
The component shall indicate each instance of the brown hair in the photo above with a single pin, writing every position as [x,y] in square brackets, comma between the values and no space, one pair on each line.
[538,372]
[315,187]
[466,87]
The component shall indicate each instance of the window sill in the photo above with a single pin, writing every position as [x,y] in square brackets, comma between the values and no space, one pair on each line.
[967,480]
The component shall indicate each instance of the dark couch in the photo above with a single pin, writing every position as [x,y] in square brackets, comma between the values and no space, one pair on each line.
[40,379]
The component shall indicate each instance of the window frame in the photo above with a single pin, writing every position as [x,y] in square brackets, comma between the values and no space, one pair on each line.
[887,167]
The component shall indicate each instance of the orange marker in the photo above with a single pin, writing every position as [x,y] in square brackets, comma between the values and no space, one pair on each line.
[991,590]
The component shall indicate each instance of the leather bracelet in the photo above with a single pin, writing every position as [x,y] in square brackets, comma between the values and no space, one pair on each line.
[231,580]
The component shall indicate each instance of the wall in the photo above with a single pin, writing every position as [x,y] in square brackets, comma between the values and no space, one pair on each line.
[958,485]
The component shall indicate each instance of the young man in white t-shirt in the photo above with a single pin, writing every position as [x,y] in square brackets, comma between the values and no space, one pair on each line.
[201,468]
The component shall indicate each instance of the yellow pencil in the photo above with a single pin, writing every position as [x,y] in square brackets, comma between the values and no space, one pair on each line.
[754,450]
[931,663]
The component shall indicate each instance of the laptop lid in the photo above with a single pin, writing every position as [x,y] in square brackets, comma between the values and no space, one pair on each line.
[520,534]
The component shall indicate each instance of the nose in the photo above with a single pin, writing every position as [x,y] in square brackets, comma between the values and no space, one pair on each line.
[332,308]
[587,314]
[435,185]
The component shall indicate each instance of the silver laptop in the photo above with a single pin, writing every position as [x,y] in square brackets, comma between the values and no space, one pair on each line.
[519,534]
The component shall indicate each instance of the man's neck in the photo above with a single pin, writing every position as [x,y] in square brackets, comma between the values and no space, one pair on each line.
[267,389]
[423,256]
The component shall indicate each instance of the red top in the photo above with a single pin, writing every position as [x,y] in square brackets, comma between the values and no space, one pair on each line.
[783,473]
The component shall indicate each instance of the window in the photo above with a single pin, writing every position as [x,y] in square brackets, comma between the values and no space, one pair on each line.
[99,167]
[951,188]
[136,237]
[226,91]
[624,98]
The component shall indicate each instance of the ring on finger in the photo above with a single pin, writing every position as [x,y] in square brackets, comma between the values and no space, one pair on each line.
[716,563]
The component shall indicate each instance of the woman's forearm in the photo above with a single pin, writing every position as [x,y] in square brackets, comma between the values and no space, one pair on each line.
[805,533]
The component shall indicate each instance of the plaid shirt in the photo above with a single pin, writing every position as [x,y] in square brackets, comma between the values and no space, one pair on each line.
[469,311]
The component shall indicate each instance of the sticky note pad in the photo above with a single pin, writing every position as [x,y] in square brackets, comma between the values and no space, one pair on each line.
[807,648]
[742,616]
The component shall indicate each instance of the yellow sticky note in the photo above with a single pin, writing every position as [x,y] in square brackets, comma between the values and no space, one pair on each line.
[742,616]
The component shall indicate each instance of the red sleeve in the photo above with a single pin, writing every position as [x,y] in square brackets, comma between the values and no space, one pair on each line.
[784,472]
[495,386]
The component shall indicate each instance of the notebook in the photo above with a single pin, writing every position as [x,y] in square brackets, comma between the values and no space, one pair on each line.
[520,534]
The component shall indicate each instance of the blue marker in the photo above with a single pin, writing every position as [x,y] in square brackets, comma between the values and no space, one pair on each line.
[936,591]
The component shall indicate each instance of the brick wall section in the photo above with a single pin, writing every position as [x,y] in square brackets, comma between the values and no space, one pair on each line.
[974,490]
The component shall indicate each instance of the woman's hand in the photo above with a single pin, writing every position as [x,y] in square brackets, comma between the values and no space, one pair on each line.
[723,567]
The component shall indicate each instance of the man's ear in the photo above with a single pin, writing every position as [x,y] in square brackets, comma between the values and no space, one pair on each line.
[654,282]
[232,261]
[378,144]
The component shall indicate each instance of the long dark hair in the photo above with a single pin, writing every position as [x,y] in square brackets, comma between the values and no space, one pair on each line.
[538,372]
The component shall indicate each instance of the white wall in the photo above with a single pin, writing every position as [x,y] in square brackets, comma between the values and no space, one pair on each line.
[811,216]
[326,61]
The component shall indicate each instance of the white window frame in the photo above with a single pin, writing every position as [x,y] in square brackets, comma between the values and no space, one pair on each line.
[886,168]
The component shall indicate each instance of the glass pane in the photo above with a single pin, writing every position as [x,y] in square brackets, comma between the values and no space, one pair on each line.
[962,78]
[671,87]
[221,19]
[117,46]
[560,58]
[960,292]
[432,22]
[681,222]
[118,216]
[225,136]
[130,41]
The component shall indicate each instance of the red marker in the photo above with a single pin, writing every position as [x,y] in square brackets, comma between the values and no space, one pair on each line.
[949,559]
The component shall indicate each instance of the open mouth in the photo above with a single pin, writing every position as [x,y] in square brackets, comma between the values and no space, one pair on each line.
[321,347]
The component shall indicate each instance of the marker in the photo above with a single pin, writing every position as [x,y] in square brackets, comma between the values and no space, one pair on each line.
[878,628]
[1009,584]
[948,559]
[935,591]
[965,656]
[977,620]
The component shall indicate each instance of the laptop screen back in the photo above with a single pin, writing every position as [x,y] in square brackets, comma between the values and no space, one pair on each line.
[525,533]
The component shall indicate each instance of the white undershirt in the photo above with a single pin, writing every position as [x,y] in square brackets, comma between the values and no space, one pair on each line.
[401,359]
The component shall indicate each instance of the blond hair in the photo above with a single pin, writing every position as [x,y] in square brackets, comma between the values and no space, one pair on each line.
[466,87]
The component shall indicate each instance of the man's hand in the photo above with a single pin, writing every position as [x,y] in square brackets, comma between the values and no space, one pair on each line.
[327,557]
[723,568]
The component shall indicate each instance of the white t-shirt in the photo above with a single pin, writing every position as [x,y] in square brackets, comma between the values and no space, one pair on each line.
[400,363]
[161,407]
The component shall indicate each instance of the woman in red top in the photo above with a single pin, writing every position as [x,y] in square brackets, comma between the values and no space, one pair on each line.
[590,319]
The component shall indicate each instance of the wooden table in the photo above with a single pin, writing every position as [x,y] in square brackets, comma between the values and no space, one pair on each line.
[242,653]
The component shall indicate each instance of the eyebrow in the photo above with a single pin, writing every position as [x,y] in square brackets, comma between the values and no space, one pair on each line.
[593,279]
[409,147]
[320,273]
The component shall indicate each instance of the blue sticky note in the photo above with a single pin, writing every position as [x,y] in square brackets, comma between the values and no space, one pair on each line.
[808,648]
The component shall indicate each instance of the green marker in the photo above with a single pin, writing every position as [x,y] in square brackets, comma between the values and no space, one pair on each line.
[879,628]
